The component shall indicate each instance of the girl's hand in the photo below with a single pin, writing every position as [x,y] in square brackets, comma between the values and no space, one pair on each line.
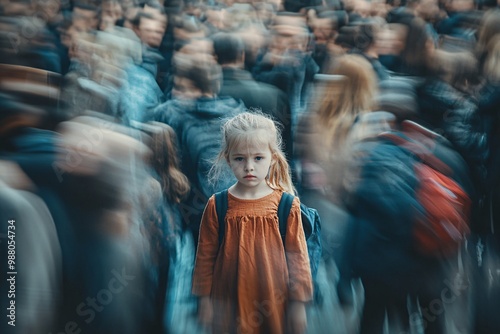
[297,319]
[205,311]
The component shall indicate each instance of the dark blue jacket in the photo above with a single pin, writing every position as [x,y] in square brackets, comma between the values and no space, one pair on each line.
[198,128]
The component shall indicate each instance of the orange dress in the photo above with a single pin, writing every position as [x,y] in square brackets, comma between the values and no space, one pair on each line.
[251,278]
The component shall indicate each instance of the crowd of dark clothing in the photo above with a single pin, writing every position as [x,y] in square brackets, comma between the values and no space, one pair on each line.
[110,116]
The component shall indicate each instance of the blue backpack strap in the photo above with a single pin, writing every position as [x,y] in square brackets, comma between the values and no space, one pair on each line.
[221,209]
[283,212]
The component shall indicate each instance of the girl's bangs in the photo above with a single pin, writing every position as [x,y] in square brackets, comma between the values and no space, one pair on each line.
[248,138]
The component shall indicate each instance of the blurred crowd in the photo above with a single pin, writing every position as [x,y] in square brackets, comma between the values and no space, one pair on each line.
[110,116]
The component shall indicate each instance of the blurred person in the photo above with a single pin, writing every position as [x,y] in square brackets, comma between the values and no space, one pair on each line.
[427,10]
[239,15]
[215,18]
[164,68]
[168,241]
[255,41]
[489,29]
[103,197]
[161,191]
[188,27]
[384,205]
[111,12]
[240,85]
[366,45]
[32,298]
[197,46]
[390,45]
[379,9]
[325,29]
[447,105]
[195,112]
[323,148]
[139,92]
[86,15]
[286,63]
[362,8]
[418,46]
[230,286]
[30,112]
[149,29]
[37,48]
[266,12]
[486,235]
[461,20]
[323,133]
[87,86]
[51,13]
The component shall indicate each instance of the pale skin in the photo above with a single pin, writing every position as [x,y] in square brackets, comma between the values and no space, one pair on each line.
[250,163]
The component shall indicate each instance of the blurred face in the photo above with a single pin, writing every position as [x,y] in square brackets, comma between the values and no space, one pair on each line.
[289,38]
[73,37]
[460,5]
[111,12]
[250,162]
[151,31]
[391,41]
[322,30]
[48,9]
[428,9]
[185,89]
[89,17]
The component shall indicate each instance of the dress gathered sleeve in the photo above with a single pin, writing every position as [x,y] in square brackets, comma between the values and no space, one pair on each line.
[208,247]
[300,281]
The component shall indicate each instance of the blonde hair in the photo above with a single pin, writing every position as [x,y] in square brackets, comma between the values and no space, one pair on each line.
[490,27]
[241,129]
[345,99]
[492,61]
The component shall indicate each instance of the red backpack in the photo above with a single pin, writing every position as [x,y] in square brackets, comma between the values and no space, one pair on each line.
[444,224]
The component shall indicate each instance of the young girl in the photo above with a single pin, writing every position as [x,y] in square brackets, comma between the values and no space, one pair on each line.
[249,282]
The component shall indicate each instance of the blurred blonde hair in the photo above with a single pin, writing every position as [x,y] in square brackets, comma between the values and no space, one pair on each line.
[241,130]
[345,99]
[490,27]
[492,62]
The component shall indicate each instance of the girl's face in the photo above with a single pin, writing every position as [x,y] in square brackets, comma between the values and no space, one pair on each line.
[250,162]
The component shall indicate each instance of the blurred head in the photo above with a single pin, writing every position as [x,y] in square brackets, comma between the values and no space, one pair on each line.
[366,36]
[418,47]
[215,16]
[149,29]
[254,39]
[459,69]
[345,99]
[165,161]
[460,5]
[362,7]
[196,76]
[47,10]
[492,62]
[111,11]
[229,49]
[265,12]
[324,27]
[490,27]
[289,37]
[391,39]
[428,10]
[86,15]
[188,27]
